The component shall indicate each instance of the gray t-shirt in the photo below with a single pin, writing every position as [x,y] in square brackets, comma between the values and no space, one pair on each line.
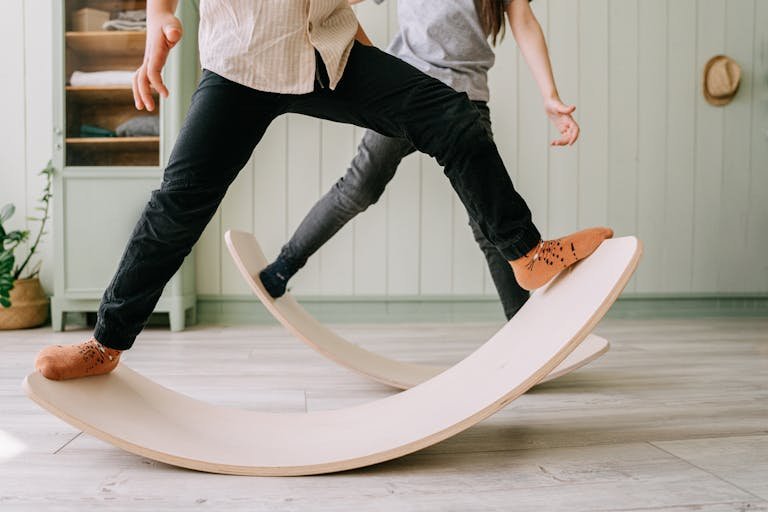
[445,39]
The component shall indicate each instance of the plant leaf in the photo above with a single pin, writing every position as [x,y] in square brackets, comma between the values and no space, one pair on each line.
[6,212]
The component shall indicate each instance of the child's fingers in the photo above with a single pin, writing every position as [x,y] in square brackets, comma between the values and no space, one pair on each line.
[144,90]
[136,94]
[156,62]
[576,132]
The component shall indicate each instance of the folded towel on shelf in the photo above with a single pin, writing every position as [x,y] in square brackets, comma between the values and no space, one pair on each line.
[140,126]
[128,20]
[96,78]
[89,130]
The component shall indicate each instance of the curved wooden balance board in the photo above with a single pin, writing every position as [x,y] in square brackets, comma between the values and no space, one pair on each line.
[140,416]
[250,260]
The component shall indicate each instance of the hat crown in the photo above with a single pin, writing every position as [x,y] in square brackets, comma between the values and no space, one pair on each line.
[722,76]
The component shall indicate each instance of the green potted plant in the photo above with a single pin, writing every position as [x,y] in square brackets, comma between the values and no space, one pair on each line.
[23,302]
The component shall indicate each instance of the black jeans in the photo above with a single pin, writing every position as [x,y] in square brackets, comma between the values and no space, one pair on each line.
[371,170]
[225,122]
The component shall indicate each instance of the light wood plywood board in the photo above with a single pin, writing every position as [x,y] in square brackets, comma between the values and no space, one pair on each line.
[250,260]
[140,416]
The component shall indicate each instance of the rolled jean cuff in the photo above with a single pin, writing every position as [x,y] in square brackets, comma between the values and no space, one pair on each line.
[521,245]
[112,339]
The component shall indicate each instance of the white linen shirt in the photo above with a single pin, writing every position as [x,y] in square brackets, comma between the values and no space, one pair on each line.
[269,45]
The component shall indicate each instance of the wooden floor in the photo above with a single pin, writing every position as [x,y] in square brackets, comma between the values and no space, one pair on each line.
[674,417]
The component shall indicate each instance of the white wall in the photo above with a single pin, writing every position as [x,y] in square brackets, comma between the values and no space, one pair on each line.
[654,159]
[26,117]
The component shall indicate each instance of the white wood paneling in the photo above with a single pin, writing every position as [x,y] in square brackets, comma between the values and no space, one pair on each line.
[651,136]
[757,220]
[623,117]
[654,159]
[563,36]
[733,251]
[708,177]
[682,84]
[533,137]
[592,113]
[13,98]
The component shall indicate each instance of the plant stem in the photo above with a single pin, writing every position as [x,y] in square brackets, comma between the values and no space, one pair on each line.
[47,201]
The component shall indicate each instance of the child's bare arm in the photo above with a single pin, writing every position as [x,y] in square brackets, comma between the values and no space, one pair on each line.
[163,32]
[530,40]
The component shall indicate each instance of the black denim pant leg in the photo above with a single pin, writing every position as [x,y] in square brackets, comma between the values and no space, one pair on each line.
[224,123]
[383,93]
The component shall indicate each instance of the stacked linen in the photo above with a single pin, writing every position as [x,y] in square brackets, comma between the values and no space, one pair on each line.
[101,78]
[135,20]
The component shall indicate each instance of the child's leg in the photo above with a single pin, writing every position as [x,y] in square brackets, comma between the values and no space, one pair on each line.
[224,123]
[368,175]
[381,92]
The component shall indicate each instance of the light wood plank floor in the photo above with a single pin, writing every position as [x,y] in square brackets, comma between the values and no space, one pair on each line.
[674,417]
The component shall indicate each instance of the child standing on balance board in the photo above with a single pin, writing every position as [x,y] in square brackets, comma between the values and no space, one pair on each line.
[264,59]
[448,40]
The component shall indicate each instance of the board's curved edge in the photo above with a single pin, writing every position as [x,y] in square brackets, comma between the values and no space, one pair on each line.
[174,460]
[401,375]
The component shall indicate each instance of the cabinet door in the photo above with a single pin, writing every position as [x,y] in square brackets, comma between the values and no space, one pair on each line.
[98,220]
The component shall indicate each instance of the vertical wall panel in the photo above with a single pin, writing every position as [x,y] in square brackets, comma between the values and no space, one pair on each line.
[38,47]
[237,213]
[733,250]
[652,137]
[13,96]
[533,139]
[623,118]
[564,161]
[708,178]
[682,87]
[757,223]
[592,113]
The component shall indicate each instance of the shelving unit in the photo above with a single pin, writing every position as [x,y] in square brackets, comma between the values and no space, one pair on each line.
[105,106]
[108,43]
[105,181]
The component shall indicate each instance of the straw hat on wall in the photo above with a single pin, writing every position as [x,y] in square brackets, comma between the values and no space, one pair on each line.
[722,76]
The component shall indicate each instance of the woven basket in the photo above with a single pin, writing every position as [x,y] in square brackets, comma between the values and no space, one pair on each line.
[29,306]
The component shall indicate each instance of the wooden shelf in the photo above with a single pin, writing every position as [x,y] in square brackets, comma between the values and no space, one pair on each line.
[107,43]
[114,144]
[101,94]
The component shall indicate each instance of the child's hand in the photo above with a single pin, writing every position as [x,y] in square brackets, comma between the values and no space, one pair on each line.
[560,115]
[163,32]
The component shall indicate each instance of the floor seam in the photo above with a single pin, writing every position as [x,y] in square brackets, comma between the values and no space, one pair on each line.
[67,443]
[706,471]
